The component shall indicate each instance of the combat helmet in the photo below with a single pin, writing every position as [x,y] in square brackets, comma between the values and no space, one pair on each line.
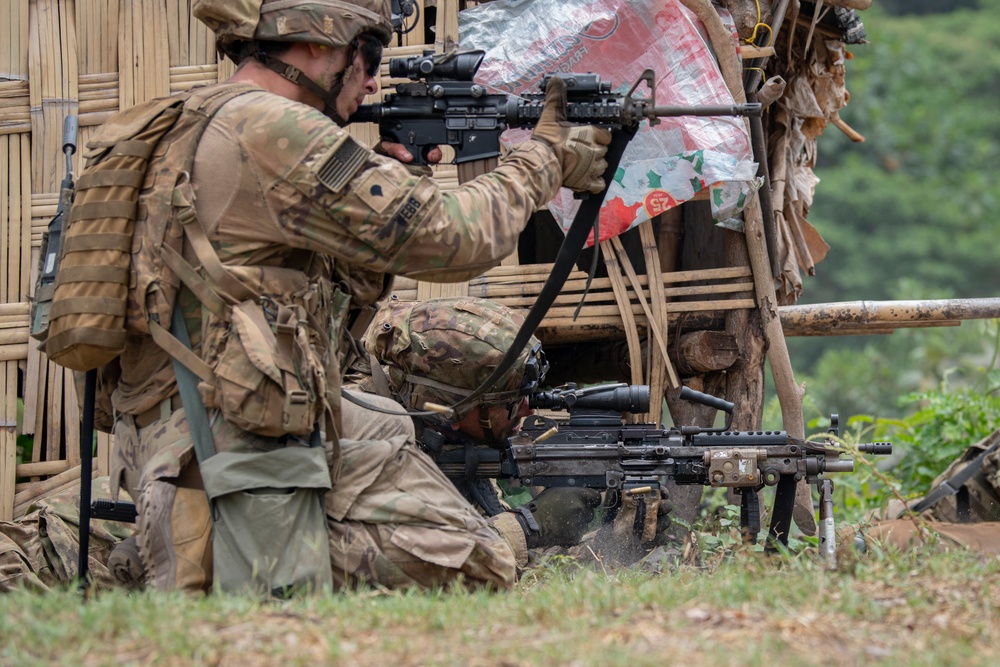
[441,350]
[327,22]
[240,25]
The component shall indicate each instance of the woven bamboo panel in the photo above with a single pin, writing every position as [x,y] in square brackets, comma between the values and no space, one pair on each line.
[517,287]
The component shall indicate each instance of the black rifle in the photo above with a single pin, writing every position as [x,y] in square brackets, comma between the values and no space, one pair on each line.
[595,449]
[443,106]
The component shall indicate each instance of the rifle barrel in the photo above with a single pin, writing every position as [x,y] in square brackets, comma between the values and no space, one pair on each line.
[748,109]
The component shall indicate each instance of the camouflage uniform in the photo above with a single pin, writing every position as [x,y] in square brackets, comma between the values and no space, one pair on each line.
[41,549]
[396,520]
[296,209]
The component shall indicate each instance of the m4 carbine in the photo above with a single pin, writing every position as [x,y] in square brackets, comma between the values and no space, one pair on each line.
[443,106]
[594,448]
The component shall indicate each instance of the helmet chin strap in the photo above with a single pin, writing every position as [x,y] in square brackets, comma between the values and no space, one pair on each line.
[486,424]
[295,75]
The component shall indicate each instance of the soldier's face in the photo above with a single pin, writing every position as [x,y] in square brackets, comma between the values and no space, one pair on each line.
[505,421]
[357,82]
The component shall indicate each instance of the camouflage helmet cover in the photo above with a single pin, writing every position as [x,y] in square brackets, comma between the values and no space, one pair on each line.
[443,349]
[328,22]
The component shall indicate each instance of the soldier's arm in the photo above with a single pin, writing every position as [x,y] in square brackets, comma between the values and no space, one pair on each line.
[328,193]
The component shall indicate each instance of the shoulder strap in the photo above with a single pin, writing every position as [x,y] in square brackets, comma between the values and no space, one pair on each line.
[221,289]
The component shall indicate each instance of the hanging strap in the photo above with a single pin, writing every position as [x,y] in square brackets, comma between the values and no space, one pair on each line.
[187,385]
[565,261]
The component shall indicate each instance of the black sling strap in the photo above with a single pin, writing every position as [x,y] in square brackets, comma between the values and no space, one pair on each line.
[569,251]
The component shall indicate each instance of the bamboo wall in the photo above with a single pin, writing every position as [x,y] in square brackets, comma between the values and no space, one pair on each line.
[90,58]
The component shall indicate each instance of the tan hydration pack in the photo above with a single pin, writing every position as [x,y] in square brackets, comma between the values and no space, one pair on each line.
[90,315]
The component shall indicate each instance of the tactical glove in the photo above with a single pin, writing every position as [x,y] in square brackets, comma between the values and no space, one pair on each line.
[580,149]
[560,516]
[642,524]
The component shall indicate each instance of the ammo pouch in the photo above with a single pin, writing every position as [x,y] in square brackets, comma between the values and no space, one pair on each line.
[269,380]
[269,522]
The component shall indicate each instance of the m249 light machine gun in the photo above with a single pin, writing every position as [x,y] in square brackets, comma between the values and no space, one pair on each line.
[441,105]
[595,449]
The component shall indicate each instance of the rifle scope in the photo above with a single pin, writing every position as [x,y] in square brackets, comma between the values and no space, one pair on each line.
[615,397]
[430,67]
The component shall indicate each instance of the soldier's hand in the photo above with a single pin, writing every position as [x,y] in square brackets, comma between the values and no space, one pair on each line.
[563,514]
[579,148]
[402,153]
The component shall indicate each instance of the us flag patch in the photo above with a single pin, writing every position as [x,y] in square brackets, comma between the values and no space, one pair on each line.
[342,165]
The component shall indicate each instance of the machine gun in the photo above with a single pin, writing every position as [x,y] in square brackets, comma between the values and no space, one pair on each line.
[443,106]
[594,448]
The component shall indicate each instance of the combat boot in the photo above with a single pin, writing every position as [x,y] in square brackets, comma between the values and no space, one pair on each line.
[125,564]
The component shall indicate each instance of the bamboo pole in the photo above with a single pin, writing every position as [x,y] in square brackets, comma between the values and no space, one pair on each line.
[53,410]
[540,272]
[656,368]
[8,440]
[823,318]
[659,336]
[73,417]
[26,494]
[625,312]
[43,468]
[6,156]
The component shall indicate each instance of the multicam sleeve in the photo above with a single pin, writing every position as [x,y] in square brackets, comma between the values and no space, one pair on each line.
[332,194]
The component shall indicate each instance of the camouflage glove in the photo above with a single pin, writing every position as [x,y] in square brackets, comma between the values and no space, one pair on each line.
[580,149]
[561,516]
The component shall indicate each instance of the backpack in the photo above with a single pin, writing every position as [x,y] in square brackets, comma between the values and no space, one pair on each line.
[102,257]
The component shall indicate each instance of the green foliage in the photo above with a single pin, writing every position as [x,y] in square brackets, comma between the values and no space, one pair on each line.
[947,421]
[941,424]
[868,374]
[918,198]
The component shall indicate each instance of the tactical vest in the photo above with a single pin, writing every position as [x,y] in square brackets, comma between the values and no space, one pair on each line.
[265,367]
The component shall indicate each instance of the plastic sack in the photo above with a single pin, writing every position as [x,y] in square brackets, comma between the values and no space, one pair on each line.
[664,165]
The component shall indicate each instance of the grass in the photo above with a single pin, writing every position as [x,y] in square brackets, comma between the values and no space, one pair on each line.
[937,607]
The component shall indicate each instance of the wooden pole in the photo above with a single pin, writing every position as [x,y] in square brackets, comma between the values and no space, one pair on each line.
[826,319]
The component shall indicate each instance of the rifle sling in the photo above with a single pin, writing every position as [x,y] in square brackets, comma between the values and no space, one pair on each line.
[565,261]
[86,476]
[187,385]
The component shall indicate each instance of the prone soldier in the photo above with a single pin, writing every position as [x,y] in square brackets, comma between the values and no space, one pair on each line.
[439,351]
